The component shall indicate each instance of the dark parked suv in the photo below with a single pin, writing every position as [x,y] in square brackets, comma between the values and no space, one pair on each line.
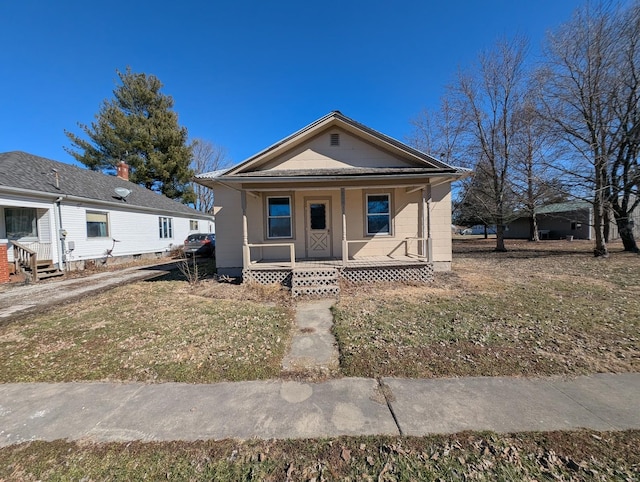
[200,244]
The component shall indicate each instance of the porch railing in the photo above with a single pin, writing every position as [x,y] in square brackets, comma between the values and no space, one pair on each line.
[423,246]
[291,246]
[425,242]
[423,249]
[27,257]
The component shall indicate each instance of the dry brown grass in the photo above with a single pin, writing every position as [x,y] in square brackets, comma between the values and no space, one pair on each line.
[580,455]
[540,309]
[155,331]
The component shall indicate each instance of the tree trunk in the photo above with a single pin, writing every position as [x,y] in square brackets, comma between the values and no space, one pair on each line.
[500,236]
[533,228]
[598,217]
[625,230]
[486,232]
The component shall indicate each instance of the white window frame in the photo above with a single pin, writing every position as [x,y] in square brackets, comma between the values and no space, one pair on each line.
[367,214]
[165,227]
[88,214]
[290,217]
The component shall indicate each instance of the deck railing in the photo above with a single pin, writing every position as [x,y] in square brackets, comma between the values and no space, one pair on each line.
[26,257]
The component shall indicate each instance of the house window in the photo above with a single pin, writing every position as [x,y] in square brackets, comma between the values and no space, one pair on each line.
[279,217]
[574,225]
[165,226]
[378,214]
[21,223]
[97,224]
[193,225]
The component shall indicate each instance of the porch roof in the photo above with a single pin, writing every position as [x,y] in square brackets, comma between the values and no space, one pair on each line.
[340,177]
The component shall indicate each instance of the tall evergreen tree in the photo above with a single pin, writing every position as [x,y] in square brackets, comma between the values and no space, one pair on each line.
[138,126]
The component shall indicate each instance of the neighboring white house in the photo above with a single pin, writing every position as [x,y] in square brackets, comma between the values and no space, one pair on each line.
[70,215]
[337,194]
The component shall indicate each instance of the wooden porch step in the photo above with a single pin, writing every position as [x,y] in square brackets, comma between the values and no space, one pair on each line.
[46,269]
[315,282]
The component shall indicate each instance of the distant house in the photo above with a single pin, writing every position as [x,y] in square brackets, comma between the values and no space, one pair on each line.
[561,220]
[68,215]
[335,194]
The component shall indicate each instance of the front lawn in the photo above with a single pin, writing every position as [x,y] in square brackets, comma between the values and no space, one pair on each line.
[542,309]
[159,331]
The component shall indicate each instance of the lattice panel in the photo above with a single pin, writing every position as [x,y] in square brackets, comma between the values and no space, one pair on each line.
[421,274]
[315,281]
[266,277]
[315,290]
[315,273]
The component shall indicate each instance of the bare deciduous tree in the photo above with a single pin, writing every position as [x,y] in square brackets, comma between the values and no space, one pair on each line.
[485,100]
[590,82]
[533,181]
[207,157]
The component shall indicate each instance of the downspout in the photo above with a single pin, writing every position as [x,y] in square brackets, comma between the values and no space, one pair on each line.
[345,245]
[423,222]
[57,216]
[428,213]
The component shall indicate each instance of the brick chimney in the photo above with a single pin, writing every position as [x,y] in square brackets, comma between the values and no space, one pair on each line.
[122,170]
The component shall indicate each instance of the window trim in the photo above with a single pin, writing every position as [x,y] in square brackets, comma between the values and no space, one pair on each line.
[366,214]
[191,224]
[89,212]
[162,231]
[268,217]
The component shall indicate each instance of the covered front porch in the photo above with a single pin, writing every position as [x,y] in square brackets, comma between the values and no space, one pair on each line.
[366,240]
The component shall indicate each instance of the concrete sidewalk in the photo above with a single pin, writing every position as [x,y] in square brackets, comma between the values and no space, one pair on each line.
[287,409]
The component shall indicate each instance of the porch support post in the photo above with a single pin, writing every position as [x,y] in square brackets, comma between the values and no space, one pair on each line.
[345,246]
[246,255]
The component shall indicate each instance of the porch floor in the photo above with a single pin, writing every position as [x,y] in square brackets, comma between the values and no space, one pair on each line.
[369,262]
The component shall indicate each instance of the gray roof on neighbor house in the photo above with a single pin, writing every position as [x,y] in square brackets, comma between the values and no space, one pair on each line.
[563,207]
[23,171]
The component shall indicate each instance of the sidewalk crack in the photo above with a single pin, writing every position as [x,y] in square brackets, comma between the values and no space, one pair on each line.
[389,398]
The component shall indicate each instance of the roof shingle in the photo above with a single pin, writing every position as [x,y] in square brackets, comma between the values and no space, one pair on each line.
[27,171]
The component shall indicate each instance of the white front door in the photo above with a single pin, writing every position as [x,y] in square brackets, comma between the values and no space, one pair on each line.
[318,228]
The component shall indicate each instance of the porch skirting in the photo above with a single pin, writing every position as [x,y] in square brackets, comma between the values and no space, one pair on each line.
[354,272]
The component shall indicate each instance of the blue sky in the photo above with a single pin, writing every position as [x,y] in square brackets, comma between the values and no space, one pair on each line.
[244,74]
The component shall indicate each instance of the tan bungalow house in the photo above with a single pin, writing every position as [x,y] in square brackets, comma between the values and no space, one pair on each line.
[334,199]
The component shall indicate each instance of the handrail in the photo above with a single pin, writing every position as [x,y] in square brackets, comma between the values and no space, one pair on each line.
[26,257]
[291,246]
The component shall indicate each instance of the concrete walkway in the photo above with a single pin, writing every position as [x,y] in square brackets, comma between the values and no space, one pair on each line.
[313,347]
[287,409]
[22,299]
